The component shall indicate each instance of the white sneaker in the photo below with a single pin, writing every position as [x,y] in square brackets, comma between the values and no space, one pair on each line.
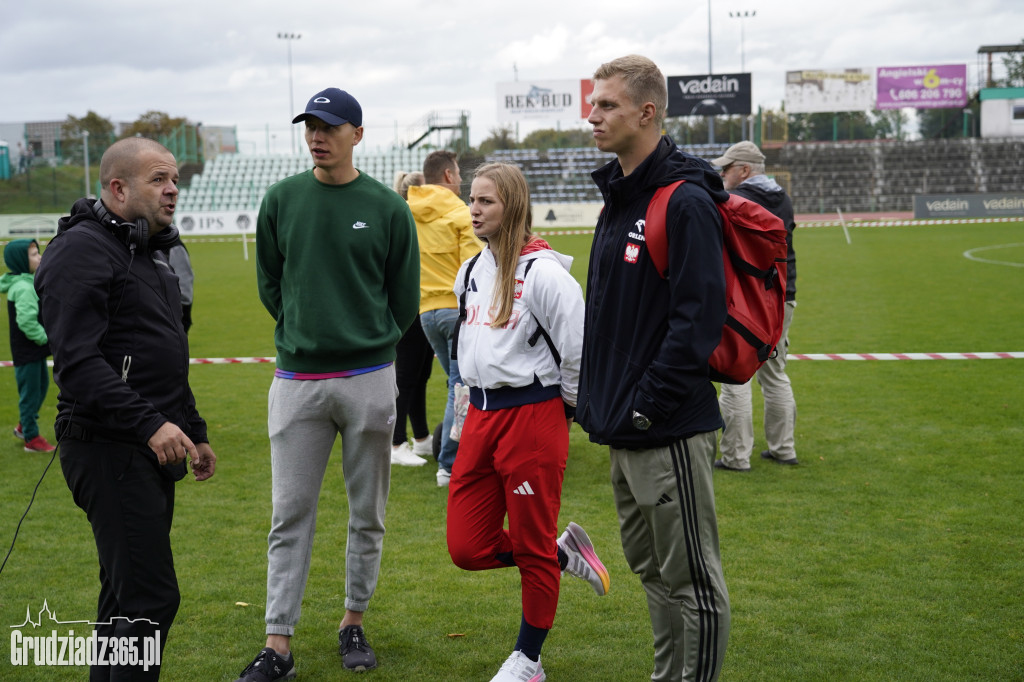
[423,447]
[443,478]
[519,668]
[583,561]
[402,455]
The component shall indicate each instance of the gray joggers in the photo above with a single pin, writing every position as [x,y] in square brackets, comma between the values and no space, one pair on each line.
[666,506]
[304,417]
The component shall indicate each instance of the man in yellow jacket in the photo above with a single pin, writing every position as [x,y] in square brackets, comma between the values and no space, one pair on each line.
[445,233]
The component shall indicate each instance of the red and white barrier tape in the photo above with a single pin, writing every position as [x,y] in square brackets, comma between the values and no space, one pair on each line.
[553,232]
[907,356]
[792,356]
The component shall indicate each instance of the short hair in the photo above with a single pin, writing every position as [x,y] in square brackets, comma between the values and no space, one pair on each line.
[436,163]
[121,160]
[404,180]
[644,81]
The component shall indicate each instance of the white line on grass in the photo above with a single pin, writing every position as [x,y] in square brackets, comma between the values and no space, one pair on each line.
[969,254]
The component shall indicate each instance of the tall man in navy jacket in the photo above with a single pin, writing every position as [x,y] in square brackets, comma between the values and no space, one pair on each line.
[644,387]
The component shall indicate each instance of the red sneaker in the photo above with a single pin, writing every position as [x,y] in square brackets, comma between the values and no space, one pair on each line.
[38,444]
[18,433]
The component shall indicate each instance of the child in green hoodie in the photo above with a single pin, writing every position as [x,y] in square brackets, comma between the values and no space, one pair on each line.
[29,345]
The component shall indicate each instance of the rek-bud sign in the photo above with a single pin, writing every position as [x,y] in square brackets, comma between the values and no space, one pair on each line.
[549,99]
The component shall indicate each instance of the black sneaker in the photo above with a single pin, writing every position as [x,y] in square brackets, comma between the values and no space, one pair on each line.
[356,654]
[768,454]
[269,666]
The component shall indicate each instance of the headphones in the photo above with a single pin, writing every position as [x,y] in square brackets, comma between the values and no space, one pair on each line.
[133,235]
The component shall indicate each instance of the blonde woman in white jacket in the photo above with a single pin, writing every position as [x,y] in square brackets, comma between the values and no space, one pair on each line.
[520,336]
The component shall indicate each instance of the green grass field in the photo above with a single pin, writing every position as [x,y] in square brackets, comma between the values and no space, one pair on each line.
[892,553]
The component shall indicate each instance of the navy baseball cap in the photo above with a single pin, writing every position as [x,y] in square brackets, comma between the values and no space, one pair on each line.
[334,107]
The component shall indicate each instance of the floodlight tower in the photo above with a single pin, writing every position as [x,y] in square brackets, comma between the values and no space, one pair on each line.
[289,37]
[746,14]
[742,16]
[711,118]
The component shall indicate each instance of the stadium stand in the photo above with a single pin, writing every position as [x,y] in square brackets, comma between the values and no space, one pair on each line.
[563,175]
[860,176]
[234,182]
[884,175]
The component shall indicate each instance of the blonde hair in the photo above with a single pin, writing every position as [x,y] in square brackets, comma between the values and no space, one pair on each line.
[643,79]
[513,233]
[404,180]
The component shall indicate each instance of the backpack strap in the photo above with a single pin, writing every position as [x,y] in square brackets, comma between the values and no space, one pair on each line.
[462,307]
[532,341]
[655,233]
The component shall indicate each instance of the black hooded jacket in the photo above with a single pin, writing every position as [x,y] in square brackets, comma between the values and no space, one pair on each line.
[113,315]
[647,339]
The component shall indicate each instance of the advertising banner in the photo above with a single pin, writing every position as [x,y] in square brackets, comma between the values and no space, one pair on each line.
[1008,205]
[532,100]
[203,223]
[922,87]
[821,91]
[709,95]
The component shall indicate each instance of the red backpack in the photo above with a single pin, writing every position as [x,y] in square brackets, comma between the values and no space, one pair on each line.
[754,255]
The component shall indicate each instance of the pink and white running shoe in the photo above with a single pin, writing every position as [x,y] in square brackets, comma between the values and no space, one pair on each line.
[583,561]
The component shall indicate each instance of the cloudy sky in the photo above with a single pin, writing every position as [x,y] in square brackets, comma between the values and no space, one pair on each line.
[222,63]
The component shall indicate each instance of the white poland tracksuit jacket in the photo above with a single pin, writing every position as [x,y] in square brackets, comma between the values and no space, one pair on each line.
[491,358]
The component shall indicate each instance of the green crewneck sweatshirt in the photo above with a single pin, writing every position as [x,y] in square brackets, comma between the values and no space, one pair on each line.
[338,267]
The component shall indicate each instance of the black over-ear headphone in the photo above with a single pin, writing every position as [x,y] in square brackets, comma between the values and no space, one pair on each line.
[134,234]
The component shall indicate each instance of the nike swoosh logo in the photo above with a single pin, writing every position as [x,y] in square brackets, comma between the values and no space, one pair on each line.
[359,225]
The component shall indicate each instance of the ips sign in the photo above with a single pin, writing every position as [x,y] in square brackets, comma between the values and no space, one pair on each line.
[709,95]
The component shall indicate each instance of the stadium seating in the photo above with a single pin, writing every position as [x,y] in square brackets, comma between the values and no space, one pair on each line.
[861,176]
[235,182]
[563,175]
[884,175]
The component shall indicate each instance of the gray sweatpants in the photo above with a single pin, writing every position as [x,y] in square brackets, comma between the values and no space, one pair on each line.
[666,506]
[304,418]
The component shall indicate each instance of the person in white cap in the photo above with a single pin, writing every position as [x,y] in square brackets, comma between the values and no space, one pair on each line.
[337,266]
[743,174]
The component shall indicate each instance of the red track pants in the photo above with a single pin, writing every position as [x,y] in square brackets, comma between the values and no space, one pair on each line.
[511,461]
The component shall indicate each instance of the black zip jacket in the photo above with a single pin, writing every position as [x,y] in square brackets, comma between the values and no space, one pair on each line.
[23,349]
[779,204]
[647,340]
[113,315]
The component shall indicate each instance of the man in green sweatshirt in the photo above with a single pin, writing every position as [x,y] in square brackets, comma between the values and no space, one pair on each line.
[338,269]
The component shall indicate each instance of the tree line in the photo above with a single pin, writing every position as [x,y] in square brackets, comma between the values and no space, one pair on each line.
[155,125]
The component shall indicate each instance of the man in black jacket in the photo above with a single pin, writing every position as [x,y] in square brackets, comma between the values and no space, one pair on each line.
[126,417]
[644,387]
[743,174]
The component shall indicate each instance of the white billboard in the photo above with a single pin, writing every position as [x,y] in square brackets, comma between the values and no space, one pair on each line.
[827,90]
[533,100]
